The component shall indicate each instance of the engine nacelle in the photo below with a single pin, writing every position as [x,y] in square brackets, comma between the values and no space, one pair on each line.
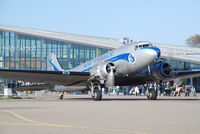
[105,69]
[160,70]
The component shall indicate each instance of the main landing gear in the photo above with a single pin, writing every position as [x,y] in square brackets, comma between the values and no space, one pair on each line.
[95,88]
[151,94]
[61,95]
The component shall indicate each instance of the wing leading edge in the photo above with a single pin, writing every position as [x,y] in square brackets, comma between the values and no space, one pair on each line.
[186,74]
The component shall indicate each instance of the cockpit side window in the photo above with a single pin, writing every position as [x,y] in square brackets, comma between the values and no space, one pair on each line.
[143,46]
[146,45]
[140,46]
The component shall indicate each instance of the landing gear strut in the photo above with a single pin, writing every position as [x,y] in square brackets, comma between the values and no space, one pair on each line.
[96,90]
[61,95]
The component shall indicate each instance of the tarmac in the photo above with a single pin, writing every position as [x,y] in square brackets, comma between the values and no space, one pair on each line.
[79,114]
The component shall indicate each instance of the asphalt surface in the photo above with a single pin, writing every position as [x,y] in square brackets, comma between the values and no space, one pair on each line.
[78,114]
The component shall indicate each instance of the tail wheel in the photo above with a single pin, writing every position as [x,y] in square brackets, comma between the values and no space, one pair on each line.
[152,94]
[97,96]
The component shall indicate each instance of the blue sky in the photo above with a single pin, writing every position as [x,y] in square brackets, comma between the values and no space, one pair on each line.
[157,21]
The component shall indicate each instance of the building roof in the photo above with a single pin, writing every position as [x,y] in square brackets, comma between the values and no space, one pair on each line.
[179,52]
[76,38]
[183,53]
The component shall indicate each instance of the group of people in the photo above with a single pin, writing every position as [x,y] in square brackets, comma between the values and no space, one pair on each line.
[167,89]
[171,89]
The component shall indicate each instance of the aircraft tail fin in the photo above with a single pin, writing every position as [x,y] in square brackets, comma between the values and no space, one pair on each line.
[52,63]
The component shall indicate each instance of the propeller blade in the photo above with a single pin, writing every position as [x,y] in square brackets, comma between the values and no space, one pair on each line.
[110,81]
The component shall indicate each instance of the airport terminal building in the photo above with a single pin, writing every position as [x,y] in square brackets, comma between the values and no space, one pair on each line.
[27,49]
[21,50]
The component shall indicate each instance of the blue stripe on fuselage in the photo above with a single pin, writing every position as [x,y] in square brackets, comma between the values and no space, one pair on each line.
[113,59]
[54,67]
[119,57]
[87,69]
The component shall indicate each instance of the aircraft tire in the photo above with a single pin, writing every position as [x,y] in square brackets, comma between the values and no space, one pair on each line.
[60,97]
[97,95]
[152,94]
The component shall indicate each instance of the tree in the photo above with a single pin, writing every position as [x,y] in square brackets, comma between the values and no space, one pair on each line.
[194,41]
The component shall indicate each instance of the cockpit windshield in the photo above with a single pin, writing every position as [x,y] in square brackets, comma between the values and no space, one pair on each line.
[143,45]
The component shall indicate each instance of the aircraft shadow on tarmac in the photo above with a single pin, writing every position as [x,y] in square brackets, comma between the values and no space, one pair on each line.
[134,99]
[103,99]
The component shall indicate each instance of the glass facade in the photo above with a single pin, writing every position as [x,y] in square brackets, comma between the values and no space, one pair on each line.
[18,51]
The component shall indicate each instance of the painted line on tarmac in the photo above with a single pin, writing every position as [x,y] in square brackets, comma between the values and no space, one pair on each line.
[37,123]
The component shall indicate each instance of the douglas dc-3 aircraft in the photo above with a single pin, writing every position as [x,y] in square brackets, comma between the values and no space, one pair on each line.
[132,64]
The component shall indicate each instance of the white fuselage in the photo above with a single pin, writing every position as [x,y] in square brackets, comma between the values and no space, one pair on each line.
[126,60]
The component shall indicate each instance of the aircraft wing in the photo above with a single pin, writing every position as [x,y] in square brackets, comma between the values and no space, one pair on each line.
[66,78]
[36,87]
[186,74]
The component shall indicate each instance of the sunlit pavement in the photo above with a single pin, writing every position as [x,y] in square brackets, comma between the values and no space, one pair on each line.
[78,114]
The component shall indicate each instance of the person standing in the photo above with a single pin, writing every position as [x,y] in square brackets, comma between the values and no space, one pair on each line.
[193,91]
[187,91]
[136,90]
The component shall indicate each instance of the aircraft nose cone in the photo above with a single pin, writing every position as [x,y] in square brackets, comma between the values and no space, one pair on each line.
[157,50]
[154,51]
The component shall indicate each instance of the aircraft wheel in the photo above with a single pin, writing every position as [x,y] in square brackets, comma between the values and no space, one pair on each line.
[152,94]
[61,96]
[97,95]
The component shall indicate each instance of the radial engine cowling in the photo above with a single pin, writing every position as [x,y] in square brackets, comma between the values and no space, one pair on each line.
[105,69]
[161,70]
